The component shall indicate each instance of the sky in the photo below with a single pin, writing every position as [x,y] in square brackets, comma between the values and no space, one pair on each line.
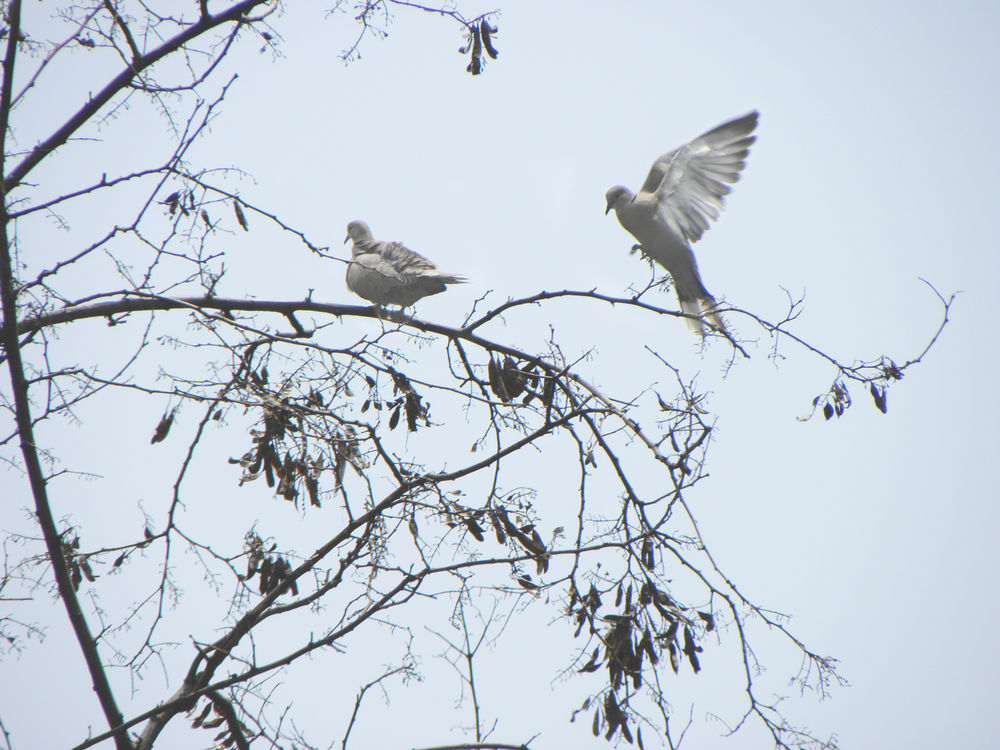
[870,180]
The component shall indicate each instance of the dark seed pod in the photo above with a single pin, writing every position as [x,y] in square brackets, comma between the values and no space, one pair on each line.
[527,583]
[878,394]
[474,528]
[312,487]
[485,30]
[497,381]
[497,526]
[265,576]
[172,201]
[412,405]
[476,66]
[240,217]
[548,391]
[708,619]
[647,554]
[513,377]
[160,433]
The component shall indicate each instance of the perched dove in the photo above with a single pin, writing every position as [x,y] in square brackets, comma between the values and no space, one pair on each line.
[683,192]
[389,273]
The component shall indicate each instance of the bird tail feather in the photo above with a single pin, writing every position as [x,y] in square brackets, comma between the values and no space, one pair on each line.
[699,309]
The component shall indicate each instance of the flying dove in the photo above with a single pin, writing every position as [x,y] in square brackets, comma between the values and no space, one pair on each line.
[389,273]
[683,192]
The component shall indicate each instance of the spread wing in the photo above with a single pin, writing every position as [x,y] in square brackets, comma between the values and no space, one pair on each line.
[690,182]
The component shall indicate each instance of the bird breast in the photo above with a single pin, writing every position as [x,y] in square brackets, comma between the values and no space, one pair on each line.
[638,216]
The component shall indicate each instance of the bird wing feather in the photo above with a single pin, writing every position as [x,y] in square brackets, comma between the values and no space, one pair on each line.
[405,262]
[690,182]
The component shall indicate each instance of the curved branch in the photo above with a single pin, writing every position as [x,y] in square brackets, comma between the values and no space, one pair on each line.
[235,14]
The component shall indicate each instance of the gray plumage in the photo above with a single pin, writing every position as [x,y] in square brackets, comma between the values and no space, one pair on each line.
[389,273]
[682,194]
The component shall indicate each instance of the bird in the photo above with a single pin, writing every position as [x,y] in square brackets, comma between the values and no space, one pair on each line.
[683,192]
[389,273]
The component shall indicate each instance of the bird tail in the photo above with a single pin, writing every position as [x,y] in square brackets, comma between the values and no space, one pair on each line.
[702,309]
[451,278]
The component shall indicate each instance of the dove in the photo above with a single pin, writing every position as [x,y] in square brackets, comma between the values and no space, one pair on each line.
[389,273]
[683,192]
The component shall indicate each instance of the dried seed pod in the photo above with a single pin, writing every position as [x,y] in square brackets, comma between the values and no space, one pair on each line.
[160,433]
[672,630]
[708,619]
[485,30]
[240,217]
[413,410]
[527,583]
[878,394]
[476,65]
[542,564]
[592,665]
[498,383]
[539,544]
[513,378]
[549,391]
[265,576]
[202,716]
[497,526]
[312,487]
[474,528]
[647,554]
[172,201]
[647,645]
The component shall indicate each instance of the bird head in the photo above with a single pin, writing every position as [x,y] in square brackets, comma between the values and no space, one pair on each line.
[358,231]
[615,196]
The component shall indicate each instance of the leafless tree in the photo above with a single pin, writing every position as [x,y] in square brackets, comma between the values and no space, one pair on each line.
[329,406]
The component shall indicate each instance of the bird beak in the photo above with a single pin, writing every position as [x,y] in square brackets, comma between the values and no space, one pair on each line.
[346,239]
[607,209]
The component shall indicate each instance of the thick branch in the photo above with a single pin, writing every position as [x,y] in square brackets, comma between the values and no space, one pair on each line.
[22,411]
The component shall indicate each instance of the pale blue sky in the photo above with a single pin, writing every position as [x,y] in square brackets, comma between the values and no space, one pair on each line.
[874,165]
